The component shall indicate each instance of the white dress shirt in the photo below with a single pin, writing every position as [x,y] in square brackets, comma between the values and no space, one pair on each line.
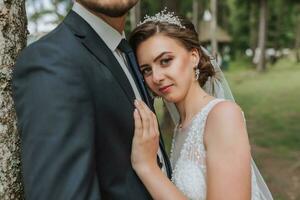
[111,38]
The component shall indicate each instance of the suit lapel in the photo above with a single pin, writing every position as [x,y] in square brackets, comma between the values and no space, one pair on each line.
[90,39]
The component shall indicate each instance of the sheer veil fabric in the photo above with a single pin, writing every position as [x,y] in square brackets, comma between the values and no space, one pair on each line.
[219,88]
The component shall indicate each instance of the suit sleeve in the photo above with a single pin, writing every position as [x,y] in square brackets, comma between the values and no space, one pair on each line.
[57,127]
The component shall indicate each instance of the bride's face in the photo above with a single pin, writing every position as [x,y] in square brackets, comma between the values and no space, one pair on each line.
[167,66]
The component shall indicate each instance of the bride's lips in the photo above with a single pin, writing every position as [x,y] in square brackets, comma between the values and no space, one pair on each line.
[165,89]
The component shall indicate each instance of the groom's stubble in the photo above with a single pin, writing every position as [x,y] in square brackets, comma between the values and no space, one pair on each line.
[111,8]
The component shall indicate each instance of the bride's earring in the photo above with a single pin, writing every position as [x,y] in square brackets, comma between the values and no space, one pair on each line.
[197,73]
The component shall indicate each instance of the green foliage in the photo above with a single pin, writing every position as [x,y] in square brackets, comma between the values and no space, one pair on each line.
[238,17]
[149,7]
[281,23]
[240,24]
[185,8]
[223,14]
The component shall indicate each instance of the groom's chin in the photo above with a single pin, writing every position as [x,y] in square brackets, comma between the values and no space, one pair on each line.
[111,8]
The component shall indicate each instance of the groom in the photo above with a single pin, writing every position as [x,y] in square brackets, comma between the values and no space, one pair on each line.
[74,91]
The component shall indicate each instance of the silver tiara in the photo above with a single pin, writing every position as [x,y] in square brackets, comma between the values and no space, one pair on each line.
[163,16]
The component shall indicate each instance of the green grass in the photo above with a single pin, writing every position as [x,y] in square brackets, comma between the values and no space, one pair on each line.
[271,102]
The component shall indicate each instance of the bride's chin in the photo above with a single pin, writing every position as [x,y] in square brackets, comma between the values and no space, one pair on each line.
[170,99]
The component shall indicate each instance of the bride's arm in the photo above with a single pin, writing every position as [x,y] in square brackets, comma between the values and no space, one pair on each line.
[145,145]
[228,154]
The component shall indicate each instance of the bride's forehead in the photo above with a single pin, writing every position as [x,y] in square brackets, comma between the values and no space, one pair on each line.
[156,45]
[163,40]
[159,43]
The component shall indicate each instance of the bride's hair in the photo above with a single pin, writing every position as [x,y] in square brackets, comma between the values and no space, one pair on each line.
[186,35]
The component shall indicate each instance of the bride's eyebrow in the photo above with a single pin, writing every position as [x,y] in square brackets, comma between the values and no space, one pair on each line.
[160,55]
[156,58]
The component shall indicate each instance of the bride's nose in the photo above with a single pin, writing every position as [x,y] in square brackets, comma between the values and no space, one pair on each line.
[157,75]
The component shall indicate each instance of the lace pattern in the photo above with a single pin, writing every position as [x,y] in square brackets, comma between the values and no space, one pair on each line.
[189,169]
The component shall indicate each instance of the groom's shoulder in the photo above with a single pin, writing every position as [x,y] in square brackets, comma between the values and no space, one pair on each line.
[60,43]
[61,38]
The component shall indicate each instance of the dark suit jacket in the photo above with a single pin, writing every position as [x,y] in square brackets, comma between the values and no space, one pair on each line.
[75,116]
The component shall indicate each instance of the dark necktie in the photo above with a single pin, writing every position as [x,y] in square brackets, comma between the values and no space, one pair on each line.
[134,69]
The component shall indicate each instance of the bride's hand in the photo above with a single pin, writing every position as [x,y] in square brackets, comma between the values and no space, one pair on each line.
[145,142]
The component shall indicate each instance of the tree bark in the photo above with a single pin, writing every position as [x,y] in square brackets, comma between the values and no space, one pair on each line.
[261,66]
[213,28]
[13,33]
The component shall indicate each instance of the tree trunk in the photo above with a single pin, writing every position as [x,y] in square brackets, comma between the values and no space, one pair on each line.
[213,28]
[253,25]
[135,15]
[196,14]
[261,66]
[13,33]
[297,39]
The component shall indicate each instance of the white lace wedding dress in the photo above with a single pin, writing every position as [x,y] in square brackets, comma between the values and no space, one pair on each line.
[188,157]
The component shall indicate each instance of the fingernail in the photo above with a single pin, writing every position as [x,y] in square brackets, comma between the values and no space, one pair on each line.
[136,102]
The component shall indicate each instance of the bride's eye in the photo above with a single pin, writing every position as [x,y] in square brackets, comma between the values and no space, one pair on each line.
[165,61]
[146,71]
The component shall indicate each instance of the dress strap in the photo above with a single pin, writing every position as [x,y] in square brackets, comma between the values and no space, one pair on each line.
[198,125]
[211,105]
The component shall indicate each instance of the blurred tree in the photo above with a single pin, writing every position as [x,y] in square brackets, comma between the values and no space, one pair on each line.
[240,24]
[223,13]
[239,17]
[57,11]
[196,14]
[244,23]
[213,27]
[172,5]
[253,24]
[297,31]
[261,66]
[13,32]
[135,15]
[37,7]
[149,7]
[281,24]
[297,38]
[186,8]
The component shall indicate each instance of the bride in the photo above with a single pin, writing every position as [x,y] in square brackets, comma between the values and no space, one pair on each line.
[210,156]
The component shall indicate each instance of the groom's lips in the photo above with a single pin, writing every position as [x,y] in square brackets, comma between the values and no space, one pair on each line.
[165,89]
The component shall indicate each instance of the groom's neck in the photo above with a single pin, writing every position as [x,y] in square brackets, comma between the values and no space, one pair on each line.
[117,23]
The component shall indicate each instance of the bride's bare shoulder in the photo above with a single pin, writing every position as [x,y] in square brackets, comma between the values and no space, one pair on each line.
[225,123]
[224,110]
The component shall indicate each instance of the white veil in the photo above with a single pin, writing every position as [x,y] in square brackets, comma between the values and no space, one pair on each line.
[218,87]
